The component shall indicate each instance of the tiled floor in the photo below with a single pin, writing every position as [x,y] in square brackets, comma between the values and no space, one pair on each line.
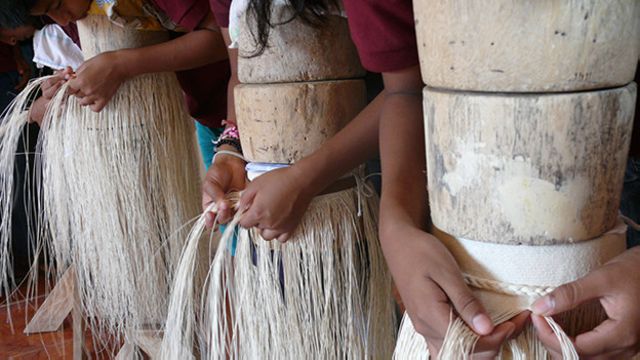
[15,345]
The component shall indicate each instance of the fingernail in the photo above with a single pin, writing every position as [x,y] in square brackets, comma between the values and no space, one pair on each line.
[482,324]
[543,305]
[223,206]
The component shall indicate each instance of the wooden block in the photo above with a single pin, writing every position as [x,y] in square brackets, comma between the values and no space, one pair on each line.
[56,306]
[528,46]
[98,35]
[527,169]
[282,123]
[298,52]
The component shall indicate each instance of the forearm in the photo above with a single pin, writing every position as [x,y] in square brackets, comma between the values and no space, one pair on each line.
[353,145]
[233,81]
[192,50]
[404,194]
[402,153]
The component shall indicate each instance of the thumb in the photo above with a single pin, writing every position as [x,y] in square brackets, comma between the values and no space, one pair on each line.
[569,296]
[213,189]
[246,198]
[467,305]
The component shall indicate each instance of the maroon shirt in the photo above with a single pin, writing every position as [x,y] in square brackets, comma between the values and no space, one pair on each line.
[7,62]
[205,87]
[384,33]
[220,9]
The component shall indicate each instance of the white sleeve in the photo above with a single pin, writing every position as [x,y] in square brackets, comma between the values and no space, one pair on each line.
[53,48]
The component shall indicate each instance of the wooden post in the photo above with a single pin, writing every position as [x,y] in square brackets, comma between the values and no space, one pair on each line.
[79,347]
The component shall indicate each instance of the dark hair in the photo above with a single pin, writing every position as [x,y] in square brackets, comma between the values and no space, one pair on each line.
[311,12]
[15,13]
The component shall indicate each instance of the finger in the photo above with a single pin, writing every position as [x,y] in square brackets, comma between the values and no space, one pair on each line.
[246,198]
[466,304]
[569,296]
[51,91]
[74,89]
[209,219]
[546,335]
[249,219]
[493,341]
[269,234]
[98,105]
[433,318]
[87,100]
[213,188]
[67,73]
[607,337]
[224,212]
[284,237]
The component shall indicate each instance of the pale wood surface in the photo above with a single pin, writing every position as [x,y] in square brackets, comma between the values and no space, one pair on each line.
[282,123]
[299,52]
[528,46]
[532,169]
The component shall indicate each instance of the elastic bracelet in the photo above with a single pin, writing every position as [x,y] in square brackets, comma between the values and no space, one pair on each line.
[229,141]
[227,152]
[230,130]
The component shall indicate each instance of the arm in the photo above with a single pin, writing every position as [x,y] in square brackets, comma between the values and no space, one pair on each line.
[426,274]
[227,172]
[100,77]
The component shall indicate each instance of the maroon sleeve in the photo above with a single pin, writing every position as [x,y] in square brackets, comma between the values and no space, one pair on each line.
[220,9]
[384,33]
[186,13]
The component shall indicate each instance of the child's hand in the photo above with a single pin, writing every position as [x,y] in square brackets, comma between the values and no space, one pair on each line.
[98,79]
[617,286]
[276,201]
[224,175]
[431,286]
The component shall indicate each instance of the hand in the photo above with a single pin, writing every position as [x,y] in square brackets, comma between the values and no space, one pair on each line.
[275,203]
[225,174]
[51,86]
[431,285]
[98,79]
[37,110]
[617,286]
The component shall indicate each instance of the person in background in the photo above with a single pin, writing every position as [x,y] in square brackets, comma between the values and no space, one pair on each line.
[196,53]
[16,69]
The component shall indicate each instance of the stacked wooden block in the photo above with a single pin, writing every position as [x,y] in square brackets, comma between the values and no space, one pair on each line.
[302,89]
[528,117]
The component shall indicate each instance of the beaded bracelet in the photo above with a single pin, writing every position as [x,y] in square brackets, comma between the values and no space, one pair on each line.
[229,141]
[230,136]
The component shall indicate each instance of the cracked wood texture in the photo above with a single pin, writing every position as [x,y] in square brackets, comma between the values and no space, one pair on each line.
[297,51]
[528,46]
[527,168]
[282,123]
